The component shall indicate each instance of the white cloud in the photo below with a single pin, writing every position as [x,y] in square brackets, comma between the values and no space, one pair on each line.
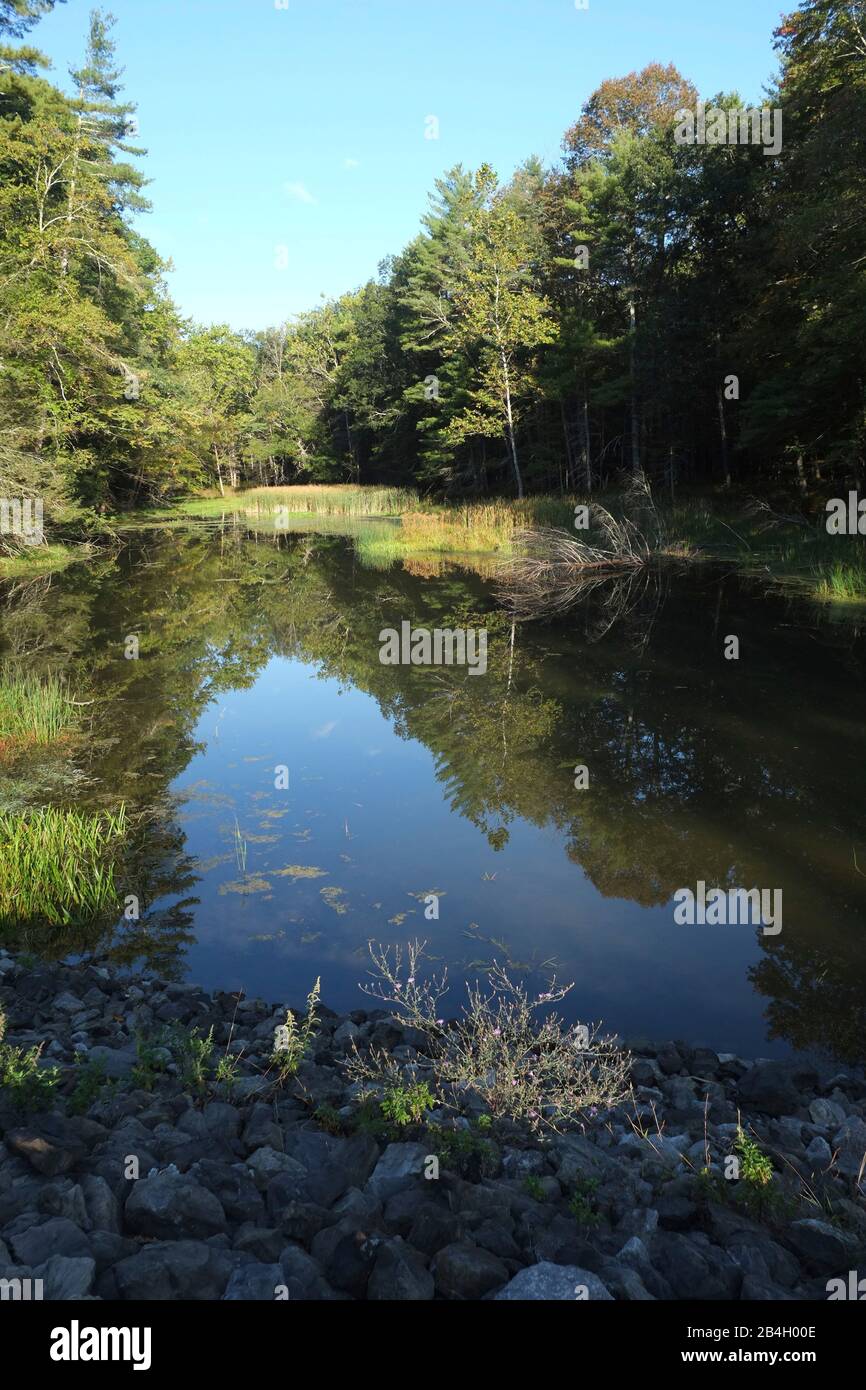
[325,729]
[299,192]
[351,163]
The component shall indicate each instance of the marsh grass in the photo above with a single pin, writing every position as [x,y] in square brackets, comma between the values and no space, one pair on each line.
[468,527]
[313,500]
[842,582]
[57,867]
[34,711]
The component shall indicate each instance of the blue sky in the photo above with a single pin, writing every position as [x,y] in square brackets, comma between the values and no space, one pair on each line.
[304,128]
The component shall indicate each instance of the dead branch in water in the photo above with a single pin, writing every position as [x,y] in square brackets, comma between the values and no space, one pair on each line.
[552,567]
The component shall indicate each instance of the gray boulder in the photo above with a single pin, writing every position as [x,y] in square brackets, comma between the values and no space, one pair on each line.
[463,1271]
[400,1167]
[173,1205]
[560,1283]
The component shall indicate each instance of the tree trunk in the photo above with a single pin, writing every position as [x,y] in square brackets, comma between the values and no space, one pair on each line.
[726,472]
[635,433]
[509,427]
[587,457]
[219,471]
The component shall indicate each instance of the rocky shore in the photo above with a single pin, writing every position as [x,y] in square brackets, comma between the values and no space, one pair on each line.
[124,1175]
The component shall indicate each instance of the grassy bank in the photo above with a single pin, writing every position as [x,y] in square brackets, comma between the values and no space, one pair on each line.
[390,525]
[37,560]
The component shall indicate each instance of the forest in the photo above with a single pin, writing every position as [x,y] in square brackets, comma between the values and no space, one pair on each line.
[692,312]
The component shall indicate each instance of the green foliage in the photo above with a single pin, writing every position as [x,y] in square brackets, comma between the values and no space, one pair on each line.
[28,1085]
[291,1049]
[32,710]
[405,1105]
[328,1118]
[491,354]
[58,867]
[755,1168]
[534,1188]
[226,1072]
[90,1084]
[150,1065]
[582,1202]
[194,1052]
[464,1153]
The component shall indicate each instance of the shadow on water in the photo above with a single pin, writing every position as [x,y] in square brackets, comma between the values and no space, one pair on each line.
[257,655]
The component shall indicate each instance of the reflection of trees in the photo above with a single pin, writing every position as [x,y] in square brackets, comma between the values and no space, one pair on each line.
[699,768]
[817,990]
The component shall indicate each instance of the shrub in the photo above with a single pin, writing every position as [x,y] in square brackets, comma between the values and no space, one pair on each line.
[404,1105]
[500,1052]
[91,1081]
[29,1085]
[465,1153]
[193,1054]
[582,1203]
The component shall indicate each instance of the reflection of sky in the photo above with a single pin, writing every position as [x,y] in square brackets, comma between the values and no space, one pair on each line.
[380,826]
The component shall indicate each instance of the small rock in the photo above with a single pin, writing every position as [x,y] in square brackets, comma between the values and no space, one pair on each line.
[66,1277]
[254,1282]
[819,1153]
[562,1283]
[825,1247]
[173,1205]
[464,1271]
[826,1113]
[399,1274]
[401,1166]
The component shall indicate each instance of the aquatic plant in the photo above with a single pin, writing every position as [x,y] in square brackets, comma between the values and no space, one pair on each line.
[34,711]
[58,866]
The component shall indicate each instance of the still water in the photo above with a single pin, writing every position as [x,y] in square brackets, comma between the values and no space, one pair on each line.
[259,666]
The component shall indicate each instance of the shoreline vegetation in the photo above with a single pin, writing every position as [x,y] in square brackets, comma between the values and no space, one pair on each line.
[392,525]
[390,1154]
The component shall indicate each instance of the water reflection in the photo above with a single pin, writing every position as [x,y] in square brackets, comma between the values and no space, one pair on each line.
[262,653]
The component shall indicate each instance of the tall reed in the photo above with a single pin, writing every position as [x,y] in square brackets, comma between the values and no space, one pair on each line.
[34,710]
[58,866]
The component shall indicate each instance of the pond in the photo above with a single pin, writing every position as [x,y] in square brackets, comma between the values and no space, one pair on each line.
[295,797]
